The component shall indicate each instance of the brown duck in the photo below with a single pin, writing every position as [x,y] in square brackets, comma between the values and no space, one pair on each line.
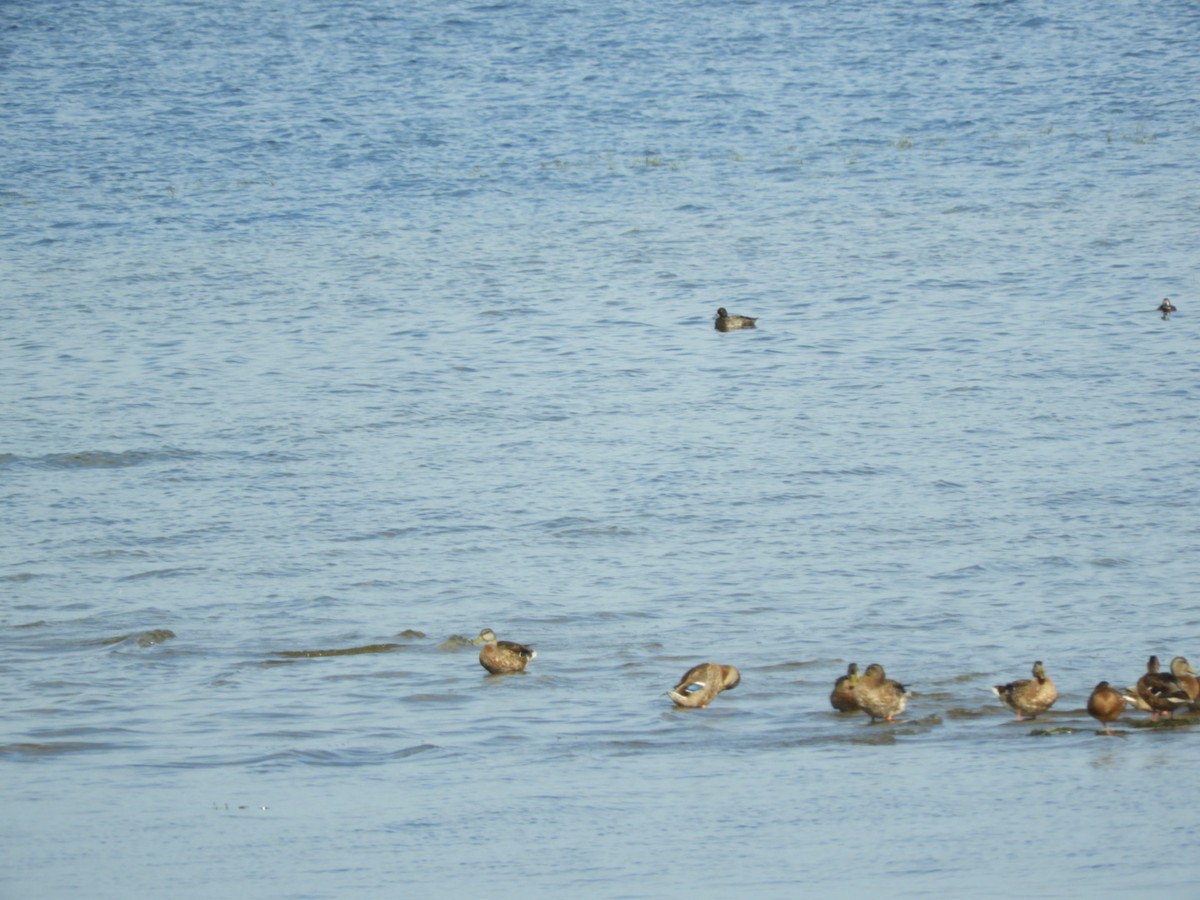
[1028,697]
[1161,691]
[843,697]
[502,657]
[700,684]
[726,322]
[1186,676]
[1105,705]
[879,696]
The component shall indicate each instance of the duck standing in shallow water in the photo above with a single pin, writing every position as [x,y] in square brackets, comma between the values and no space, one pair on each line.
[879,696]
[726,322]
[1166,307]
[1028,697]
[1161,692]
[1105,705]
[502,657]
[1186,676]
[843,697]
[700,684]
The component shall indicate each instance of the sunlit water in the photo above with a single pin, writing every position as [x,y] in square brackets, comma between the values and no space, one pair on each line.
[330,326]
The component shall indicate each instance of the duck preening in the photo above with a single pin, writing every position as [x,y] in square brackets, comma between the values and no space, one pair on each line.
[879,696]
[700,684]
[843,697]
[1160,693]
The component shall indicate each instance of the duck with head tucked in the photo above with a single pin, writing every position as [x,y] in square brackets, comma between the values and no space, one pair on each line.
[1028,697]
[502,657]
[879,696]
[700,684]
[1159,692]
[726,322]
[843,697]
[1105,705]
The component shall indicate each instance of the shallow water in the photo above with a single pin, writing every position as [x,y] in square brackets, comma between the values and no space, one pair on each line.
[327,323]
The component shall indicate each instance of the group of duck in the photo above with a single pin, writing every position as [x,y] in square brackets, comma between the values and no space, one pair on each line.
[1156,692]
[727,322]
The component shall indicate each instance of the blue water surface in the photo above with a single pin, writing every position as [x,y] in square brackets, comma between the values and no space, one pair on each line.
[332,326]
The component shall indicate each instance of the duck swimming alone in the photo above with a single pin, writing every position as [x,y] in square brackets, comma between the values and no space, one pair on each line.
[1105,705]
[843,697]
[700,684]
[1028,697]
[1166,307]
[879,696]
[726,322]
[502,657]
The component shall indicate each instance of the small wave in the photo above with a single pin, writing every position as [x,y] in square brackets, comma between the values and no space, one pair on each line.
[159,573]
[38,750]
[340,651]
[103,459]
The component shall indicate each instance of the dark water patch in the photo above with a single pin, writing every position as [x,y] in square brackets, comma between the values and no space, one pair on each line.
[341,651]
[181,572]
[434,698]
[387,534]
[971,571]
[1178,720]
[18,577]
[962,712]
[303,757]
[39,750]
[1109,562]
[361,676]
[804,664]
[138,639]
[104,459]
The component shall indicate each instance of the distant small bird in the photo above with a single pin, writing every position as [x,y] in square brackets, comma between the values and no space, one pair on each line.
[1028,697]
[726,322]
[502,657]
[879,696]
[700,684]
[1105,705]
[1160,691]
[843,697]
[1166,307]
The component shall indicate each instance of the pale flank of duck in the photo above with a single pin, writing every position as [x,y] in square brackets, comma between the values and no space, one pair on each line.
[879,696]
[726,322]
[1028,697]
[1134,699]
[843,697]
[1105,705]
[502,657]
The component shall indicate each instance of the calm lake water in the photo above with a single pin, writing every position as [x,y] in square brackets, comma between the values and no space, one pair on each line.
[358,325]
